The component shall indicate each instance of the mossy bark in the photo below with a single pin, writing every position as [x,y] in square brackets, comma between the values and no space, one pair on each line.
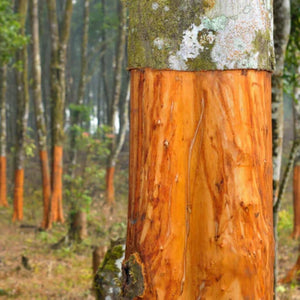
[212,35]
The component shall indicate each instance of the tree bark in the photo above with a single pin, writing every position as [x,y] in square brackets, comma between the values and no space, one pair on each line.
[58,93]
[76,118]
[22,116]
[200,190]
[296,199]
[115,143]
[282,26]
[3,88]
[39,112]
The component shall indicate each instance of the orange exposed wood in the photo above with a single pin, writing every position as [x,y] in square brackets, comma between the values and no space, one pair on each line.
[56,209]
[296,187]
[200,194]
[18,195]
[46,186]
[110,191]
[3,199]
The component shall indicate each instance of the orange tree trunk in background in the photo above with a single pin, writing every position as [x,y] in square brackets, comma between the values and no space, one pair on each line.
[22,115]
[3,88]
[110,190]
[200,192]
[39,111]
[18,195]
[296,188]
[59,43]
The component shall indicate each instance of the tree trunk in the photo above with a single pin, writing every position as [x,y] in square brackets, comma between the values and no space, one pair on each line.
[296,188]
[282,26]
[58,86]
[39,112]
[200,191]
[78,227]
[3,87]
[22,116]
[114,146]
[296,199]
[77,118]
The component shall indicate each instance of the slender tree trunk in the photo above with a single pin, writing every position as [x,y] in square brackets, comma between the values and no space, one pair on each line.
[3,87]
[112,159]
[58,93]
[296,202]
[282,25]
[296,199]
[76,118]
[22,116]
[39,111]
[200,191]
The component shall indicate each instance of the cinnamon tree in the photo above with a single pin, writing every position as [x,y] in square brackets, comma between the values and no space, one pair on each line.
[59,43]
[11,40]
[200,192]
[39,110]
[22,115]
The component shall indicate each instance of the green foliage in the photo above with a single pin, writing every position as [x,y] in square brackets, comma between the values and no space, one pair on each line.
[285,221]
[92,150]
[30,144]
[10,38]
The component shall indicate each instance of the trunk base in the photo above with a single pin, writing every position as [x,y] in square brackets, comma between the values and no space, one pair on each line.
[296,200]
[56,209]
[3,198]
[110,190]
[18,195]
[78,228]
[46,186]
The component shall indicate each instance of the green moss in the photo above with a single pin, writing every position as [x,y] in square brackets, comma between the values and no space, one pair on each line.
[261,43]
[164,23]
[107,276]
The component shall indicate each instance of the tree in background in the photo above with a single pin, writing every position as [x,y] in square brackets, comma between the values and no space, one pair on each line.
[292,76]
[117,140]
[22,114]
[200,193]
[282,26]
[10,41]
[39,110]
[59,43]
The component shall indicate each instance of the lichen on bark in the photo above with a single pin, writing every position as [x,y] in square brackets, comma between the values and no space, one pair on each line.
[200,35]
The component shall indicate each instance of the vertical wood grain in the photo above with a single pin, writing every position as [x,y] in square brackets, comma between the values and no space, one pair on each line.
[200,198]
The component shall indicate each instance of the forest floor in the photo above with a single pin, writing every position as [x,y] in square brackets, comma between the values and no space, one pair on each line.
[66,273]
